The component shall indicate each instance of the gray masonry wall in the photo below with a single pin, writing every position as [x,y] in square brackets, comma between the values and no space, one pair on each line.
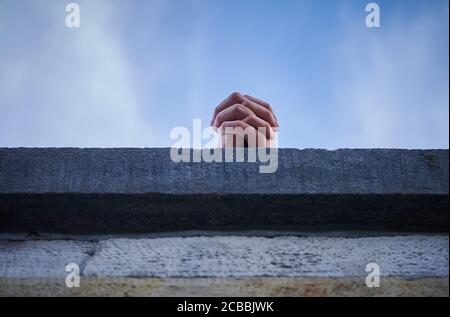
[228,256]
[138,224]
[96,191]
[143,171]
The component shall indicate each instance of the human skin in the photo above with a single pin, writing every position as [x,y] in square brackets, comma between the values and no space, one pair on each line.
[245,118]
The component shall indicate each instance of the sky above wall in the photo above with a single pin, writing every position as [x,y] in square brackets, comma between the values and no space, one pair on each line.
[136,69]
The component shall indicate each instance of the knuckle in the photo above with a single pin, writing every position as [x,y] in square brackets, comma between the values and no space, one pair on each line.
[250,118]
[235,95]
[239,108]
[219,117]
[241,124]
[253,117]
[225,124]
[269,115]
[266,113]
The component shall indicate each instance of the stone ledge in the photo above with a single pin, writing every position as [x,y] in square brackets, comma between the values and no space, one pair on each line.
[227,266]
[110,191]
[225,287]
[405,256]
[300,172]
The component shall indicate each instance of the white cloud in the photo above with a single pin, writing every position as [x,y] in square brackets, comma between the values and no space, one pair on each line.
[75,88]
[393,90]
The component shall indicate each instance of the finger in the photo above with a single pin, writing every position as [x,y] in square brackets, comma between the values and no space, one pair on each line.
[262,103]
[234,112]
[237,98]
[233,124]
[240,112]
[261,125]
[230,136]
[260,111]
[236,133]
[232,99]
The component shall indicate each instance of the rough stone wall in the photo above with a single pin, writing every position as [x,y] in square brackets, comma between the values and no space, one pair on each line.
[123,191]
[134,222]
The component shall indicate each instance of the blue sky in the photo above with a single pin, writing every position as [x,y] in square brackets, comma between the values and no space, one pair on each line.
[136,69]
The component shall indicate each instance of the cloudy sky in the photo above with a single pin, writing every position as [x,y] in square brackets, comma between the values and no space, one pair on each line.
[136,69]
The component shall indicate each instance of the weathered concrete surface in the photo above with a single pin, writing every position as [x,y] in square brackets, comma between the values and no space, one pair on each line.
[406,257]
[98,191]
[225,287]
[227,266]
[281,256]
[42,258]
[140,171]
